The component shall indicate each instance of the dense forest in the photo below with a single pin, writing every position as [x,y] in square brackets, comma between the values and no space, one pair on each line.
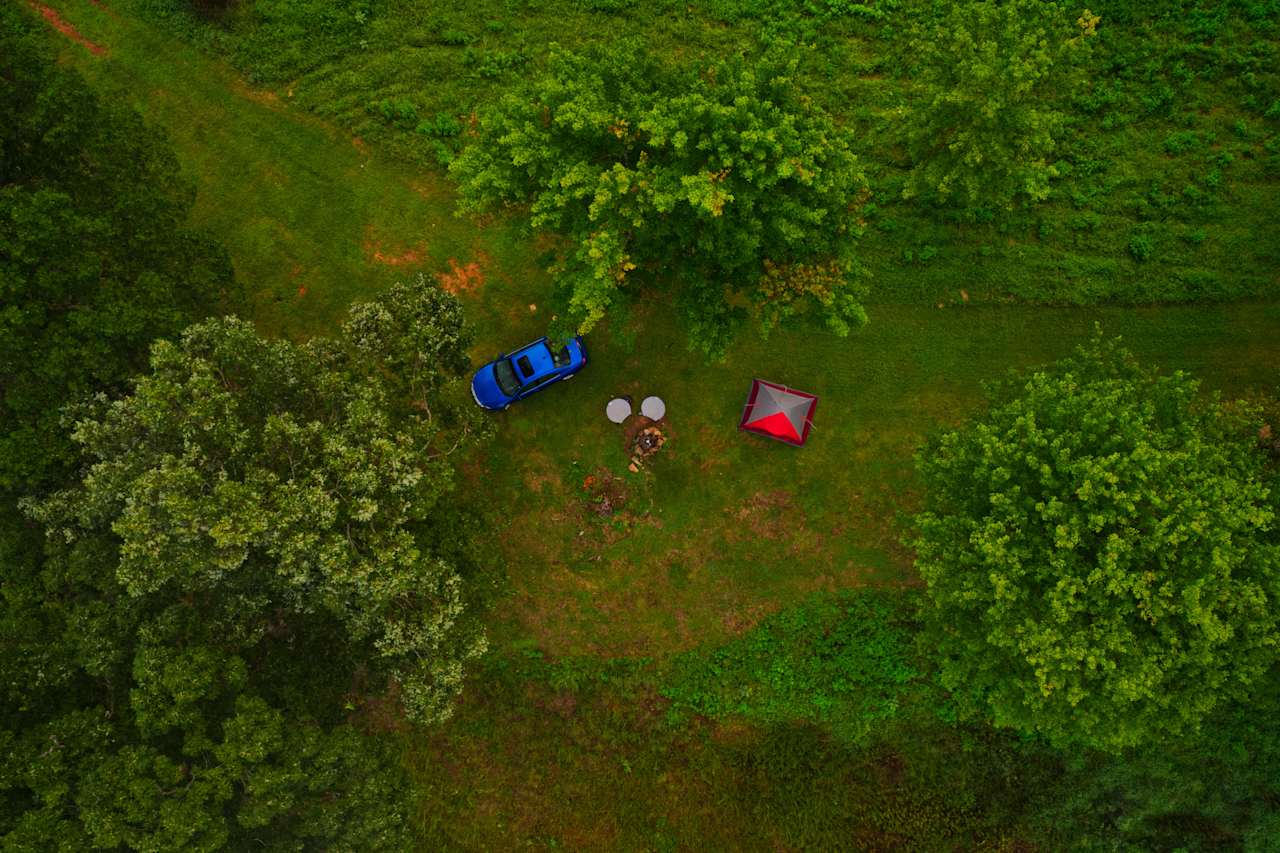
[271,579]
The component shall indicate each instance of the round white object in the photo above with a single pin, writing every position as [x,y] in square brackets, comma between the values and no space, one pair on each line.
[618,409]
[653,408]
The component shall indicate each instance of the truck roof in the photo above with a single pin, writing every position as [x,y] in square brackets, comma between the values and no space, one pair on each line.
[532,361]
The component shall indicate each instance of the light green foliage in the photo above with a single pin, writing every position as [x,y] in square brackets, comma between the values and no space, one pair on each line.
[686,183]
[980,129]
[1099,555]
[298,473]
[95,255]
[250,554]
[844,661]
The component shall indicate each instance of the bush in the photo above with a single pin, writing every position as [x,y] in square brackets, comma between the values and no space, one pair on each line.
[1141,247]
[844,660]
[456,38]
[442,126]
[398,111]
[1181,141]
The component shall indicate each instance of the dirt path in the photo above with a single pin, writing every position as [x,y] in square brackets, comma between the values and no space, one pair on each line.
[56,21]
[312,218]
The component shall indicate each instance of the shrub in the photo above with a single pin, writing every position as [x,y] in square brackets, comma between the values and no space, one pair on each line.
[493,63]
[843,659]
[1141,247]
[456,38]
[442,126]
[1181,141]
[398,111]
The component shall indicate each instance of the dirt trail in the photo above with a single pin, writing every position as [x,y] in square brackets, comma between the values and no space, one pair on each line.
[58,23]
[278,186]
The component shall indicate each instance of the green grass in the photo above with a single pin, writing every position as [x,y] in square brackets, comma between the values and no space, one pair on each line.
[1133,219]
[303,208]
[562,738]
[585,756]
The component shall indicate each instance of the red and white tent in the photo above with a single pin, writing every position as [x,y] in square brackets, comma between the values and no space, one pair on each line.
[778,412]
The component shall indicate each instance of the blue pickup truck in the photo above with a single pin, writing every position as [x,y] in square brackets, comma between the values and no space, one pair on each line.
[526,371]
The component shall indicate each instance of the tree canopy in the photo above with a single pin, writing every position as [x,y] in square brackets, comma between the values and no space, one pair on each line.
[1100,555]
[96,257]
[981,129]
[1219,790]
[257,547]
[725,189]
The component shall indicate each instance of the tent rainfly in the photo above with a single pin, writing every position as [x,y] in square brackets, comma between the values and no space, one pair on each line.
[778,412]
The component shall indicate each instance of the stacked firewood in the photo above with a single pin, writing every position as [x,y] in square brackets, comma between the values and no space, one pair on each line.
[647,442]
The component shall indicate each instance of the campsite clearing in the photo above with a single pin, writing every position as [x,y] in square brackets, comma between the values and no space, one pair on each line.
[716,533]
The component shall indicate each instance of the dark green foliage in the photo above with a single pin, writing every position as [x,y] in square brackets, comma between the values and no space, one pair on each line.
[1140,247]
[1217,791]
[399,111]
[844,660]
[715,187]
[493,64]
[96,258]
[249,567]
[1100,554]
[265,784]
[289,37]
[916,787]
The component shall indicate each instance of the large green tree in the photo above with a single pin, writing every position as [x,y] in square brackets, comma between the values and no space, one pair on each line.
[724,189]
[1219,790]
[1100,554]
[96,257]
[981,128]
[259,555]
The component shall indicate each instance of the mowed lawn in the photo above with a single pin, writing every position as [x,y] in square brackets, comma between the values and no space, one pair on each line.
[725,527]
[718,531]
[312,217]
[721,528]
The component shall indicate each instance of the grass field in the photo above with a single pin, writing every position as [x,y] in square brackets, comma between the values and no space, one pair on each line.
[562,738]
[1169,164]
[315,217]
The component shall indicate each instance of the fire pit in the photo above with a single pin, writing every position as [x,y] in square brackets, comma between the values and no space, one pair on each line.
[646,442]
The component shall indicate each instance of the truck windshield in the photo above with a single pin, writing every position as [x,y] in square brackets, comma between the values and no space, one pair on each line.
[506,377]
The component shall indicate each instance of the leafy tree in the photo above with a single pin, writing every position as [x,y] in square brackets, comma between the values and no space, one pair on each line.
[249,556]
[1099,554]
[96,258]
[1216,791]
[720,188]
[982,127]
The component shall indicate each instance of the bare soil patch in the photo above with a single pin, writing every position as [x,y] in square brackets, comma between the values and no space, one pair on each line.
[768,515]
[402,257]
[460,278]
[259,96]
[606,493]
[61,25]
